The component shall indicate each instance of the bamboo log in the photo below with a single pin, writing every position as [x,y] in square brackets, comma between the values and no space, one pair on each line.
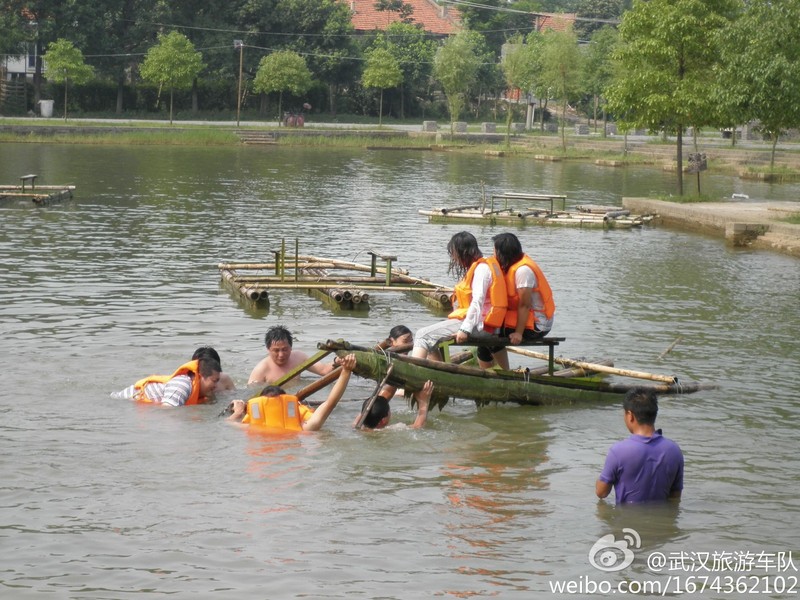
[342,264]
[580,371]
[670,347]
[595,367]
[301,367]
[319,384]
[313,285]
[336,295]
[613,214]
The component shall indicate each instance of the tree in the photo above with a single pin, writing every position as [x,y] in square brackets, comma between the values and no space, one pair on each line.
[498,20]
[64,63]
[382,71]
[599,67]
[760,67]
[666,60]
[414,52]
[519,67]
[594,15]
[403,10]
[456,67]
[282,71]
[172,62]
[561,71]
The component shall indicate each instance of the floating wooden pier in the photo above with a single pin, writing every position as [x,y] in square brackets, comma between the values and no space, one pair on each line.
[40,195]
[499,211]
[341,284]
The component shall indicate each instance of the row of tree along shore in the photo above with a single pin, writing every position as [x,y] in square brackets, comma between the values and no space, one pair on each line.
[662,65]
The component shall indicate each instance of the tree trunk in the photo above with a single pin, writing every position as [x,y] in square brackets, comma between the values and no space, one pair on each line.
[170,106]
[680,159]
[65,99]
[195,101]
[380,110]
[120,94]
[772,155]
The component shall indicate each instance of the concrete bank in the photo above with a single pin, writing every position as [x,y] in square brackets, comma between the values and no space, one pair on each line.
[753,224]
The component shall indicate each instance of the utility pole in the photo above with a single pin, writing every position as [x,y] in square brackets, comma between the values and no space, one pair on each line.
[239,44]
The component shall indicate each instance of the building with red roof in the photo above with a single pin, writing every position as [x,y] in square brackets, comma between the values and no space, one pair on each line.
[434,18]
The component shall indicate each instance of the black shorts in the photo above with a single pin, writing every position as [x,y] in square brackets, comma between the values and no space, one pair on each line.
[485,352]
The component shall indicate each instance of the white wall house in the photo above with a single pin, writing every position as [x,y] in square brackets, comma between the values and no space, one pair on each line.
[19,65]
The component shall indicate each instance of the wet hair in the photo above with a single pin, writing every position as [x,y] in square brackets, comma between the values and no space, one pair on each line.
[272,390]
[207,366]
[643,403]
[463,250]
[278,333]
[379,411]
[398,331]
[508,250]
[207,352]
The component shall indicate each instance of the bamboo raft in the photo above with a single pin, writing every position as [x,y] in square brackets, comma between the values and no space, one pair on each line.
[573,381]
[500,212]
[40,195]
[340,284]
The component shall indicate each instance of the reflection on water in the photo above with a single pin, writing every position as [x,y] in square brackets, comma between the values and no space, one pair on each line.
[105,498]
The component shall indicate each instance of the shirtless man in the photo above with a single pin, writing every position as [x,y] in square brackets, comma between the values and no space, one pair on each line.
[281,358]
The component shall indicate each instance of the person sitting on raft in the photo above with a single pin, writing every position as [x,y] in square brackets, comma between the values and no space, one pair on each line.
[192,383]
[380,414]
[530,299]
[273,408]
[481,299]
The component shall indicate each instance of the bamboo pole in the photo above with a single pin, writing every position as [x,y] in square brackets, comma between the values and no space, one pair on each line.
[594,366]
[670,347]
[319,384]
[301,367]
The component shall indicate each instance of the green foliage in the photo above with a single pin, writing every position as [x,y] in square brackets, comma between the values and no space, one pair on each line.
[382,72]
[456,67]
[520,67]
[759,74]
[666,66]
[610,10]
[561,63]
[64,64]
[283,71]
[172,62]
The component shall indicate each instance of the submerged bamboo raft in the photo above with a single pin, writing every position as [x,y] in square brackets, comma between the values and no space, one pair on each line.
[498,211]
[40,195]
[573,381]
[341,284]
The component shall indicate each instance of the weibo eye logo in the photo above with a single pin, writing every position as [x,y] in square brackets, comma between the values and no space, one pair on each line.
[609,554]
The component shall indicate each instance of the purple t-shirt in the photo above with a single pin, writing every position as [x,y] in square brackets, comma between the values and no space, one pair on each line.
[644,469]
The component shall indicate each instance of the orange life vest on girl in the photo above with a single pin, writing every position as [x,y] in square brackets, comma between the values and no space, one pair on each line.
[277,412]
[542,288]
[189,368]
[497,294]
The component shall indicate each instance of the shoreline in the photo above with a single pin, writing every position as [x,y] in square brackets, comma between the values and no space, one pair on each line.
[754,225]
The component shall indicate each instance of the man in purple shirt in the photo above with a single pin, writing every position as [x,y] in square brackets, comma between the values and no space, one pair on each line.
[646,467]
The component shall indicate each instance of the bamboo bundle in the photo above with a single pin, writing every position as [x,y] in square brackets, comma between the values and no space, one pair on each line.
[595,367]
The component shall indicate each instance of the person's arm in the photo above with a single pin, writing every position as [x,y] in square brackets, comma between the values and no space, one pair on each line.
[259,373]
[324,369]
[324,410]
[481,280]
[677,484]
[423,402]
[602,489]
[523,310]
[239,409]
[177,390]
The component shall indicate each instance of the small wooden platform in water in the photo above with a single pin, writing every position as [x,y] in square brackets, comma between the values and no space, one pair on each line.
[340,284]
[41,195]
[498,211]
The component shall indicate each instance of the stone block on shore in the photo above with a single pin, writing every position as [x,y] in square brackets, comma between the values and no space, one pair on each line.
[429,126]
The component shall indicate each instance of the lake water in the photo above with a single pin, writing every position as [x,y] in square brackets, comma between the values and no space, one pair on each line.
[107,499]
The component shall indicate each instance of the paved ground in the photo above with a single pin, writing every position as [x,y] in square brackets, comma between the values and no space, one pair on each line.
[742,223]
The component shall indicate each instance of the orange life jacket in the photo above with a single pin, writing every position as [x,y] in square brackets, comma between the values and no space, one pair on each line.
[189,368]
[542,288]
[497,294]
[277,412]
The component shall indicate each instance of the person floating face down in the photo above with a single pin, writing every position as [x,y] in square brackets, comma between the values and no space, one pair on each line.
[646,467]
[225,382]
[380,413]
[273,408]
[480,295]
[192,383]
[282,358]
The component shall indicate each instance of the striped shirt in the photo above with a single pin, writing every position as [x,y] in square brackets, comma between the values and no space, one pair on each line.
[173,393]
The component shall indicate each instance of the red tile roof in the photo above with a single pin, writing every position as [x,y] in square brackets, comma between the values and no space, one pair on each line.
[442,20]
[554,21]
